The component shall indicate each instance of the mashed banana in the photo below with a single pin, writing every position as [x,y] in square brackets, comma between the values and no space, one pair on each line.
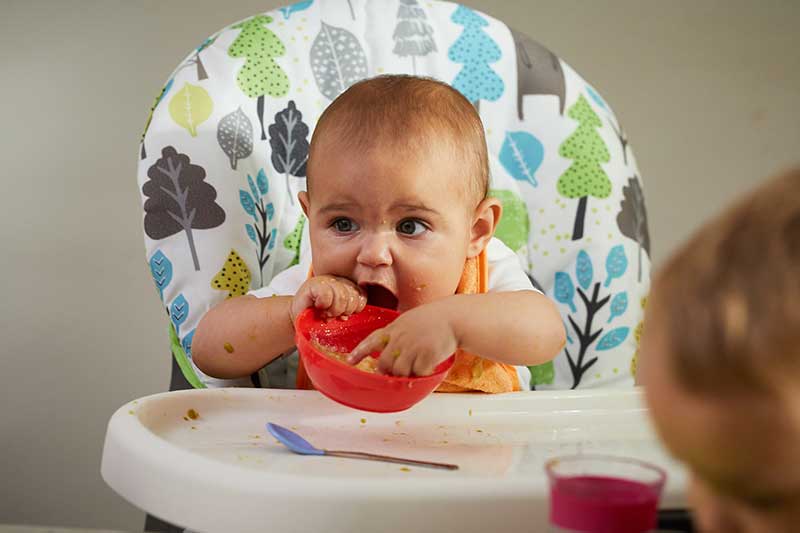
[369,364]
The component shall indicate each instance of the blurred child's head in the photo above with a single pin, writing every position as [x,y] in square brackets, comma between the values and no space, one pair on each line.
[721,362]
[397,189]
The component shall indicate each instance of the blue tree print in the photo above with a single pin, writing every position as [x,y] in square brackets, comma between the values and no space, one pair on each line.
[584,270]
[616,263]
[179,312]
[186,344]
[475,50]
[161,269]
[613,338]
[618,305]
[594,95]
[521,155]
[294,8]
[253,202]
[593,301]
[565,290]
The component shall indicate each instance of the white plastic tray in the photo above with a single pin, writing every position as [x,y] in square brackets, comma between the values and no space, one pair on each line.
[222,472]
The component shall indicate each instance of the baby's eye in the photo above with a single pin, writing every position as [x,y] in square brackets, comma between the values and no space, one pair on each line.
[411,226]
[344,225]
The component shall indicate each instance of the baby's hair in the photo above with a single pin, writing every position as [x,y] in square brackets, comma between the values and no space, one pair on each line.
[405,113]
[729,299]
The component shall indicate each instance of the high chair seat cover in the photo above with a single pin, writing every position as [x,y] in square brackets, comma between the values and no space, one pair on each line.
[224,155]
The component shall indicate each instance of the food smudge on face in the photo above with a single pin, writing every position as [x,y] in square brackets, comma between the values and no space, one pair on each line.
[228,347]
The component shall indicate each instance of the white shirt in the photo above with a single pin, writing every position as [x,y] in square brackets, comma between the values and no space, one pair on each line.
[505,274]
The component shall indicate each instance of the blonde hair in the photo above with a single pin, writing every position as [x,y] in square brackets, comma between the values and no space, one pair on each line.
[729,299]
[405,113]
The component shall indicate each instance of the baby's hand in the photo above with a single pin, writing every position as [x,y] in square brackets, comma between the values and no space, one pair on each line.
[414,344]
[336,296]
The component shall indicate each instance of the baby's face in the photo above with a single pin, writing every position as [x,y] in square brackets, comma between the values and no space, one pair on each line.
[397,225]
[741,449]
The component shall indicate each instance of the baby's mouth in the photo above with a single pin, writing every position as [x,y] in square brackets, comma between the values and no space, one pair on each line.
[379,296]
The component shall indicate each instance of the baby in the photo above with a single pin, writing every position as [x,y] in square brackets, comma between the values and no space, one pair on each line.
[397,206]
[721,362]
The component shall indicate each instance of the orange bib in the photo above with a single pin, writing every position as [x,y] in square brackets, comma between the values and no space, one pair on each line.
[470,373]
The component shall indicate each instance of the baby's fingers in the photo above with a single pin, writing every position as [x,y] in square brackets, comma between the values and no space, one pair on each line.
[397,362]
[322,294]
[355,303]
[375,341]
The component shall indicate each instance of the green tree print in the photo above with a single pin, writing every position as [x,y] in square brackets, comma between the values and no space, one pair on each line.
[585,177]
[514,226]
[260,75]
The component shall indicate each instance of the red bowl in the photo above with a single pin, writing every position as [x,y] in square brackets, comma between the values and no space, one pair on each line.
[348,385]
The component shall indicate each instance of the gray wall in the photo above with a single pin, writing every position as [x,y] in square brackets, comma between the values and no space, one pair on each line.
[707,91]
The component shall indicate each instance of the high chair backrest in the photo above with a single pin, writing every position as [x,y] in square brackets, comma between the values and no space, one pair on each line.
[224,155]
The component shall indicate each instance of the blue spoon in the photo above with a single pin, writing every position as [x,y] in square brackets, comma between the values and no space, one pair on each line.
[298,444]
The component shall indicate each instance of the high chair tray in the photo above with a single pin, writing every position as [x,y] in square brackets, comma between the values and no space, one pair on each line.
[203,459]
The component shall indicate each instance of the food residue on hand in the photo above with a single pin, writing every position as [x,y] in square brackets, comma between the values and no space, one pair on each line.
[191,413]
[228,347]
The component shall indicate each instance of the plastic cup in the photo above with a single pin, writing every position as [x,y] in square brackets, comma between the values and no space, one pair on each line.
[603,494]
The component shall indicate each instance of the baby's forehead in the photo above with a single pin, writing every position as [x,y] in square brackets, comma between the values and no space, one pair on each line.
[435,161]
[430,172]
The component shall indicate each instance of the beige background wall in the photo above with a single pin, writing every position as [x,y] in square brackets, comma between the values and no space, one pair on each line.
[707,90]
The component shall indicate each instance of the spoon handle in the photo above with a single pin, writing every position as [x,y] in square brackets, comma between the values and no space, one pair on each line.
[389,459]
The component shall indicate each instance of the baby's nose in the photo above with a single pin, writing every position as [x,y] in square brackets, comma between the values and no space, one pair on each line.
[375,251]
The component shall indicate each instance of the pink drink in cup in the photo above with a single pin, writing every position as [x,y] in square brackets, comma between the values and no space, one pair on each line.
[603,494]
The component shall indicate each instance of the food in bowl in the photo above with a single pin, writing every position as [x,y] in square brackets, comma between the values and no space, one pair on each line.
[368,364]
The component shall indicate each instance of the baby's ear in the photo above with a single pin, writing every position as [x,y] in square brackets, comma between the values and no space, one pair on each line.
[484,222]
[302,197]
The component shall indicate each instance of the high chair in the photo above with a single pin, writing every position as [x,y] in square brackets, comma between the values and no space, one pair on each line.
[224,154]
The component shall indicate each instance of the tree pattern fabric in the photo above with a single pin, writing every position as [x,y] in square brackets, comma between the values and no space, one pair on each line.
[216,194]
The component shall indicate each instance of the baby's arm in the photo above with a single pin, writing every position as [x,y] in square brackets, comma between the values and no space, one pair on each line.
[241,335]
[515,327]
